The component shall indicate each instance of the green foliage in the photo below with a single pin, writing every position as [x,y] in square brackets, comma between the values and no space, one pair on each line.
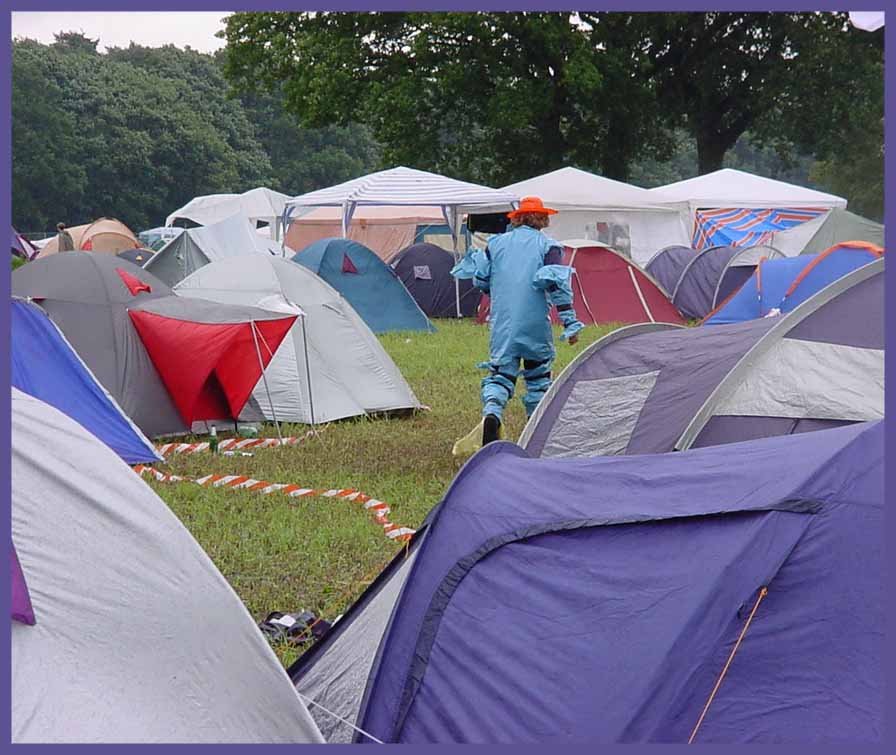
[491,97]
[137,132]
[17,262]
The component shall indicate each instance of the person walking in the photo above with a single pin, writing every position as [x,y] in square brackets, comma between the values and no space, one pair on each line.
[520,270]
[64,239]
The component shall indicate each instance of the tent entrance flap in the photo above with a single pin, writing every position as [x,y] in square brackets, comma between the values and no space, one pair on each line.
[208,368]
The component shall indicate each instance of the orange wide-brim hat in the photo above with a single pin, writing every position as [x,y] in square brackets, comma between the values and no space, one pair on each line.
[533,205]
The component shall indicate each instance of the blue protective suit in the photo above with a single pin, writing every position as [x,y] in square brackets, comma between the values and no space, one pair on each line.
[520,272]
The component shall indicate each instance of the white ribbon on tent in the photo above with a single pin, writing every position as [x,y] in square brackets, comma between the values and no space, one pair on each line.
[867,20]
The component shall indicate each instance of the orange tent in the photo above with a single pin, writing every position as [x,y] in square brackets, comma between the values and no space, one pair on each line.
[102,235]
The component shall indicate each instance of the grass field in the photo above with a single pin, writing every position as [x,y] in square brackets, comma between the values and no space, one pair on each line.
[284,554]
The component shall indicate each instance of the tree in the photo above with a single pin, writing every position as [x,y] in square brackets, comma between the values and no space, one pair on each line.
[491,97]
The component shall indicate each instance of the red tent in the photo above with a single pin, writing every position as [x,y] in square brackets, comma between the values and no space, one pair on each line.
[210,356]
[608,287]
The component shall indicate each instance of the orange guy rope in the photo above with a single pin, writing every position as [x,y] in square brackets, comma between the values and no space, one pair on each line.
[762,593]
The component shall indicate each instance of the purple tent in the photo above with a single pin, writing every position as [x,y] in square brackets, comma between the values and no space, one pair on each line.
[654,388]
[716,272]
[667,265]
[599,601]
[21,247]
[425,270]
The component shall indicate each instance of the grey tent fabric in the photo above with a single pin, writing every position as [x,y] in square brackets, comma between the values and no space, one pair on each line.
[693,293]
[195,247]
[825,231]
[347,373]
[338,677]
[86,297]
[138,637]
[820,365]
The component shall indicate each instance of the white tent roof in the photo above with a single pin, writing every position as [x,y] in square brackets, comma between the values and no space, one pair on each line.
[256,204]
[574,189]
[407,187]
[348,371]
[138,637]
[739,189]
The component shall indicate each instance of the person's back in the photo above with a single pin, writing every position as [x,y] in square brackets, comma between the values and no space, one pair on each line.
[518,310]
[64,239]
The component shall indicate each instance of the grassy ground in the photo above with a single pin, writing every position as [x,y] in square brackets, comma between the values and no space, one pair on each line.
[284,554]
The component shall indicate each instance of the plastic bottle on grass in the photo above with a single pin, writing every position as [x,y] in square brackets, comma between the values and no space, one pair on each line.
[213,440]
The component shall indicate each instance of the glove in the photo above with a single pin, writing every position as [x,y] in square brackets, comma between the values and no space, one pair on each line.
[571,325]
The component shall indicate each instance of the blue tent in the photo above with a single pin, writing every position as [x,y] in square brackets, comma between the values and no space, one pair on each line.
[782,284]
[367,283]
[43,365]
[599,600]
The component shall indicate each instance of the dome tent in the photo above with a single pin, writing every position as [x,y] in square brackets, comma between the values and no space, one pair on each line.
[347,372]
[656,388]
[425,271]
[783,284]
[132,332]
[368,284]
[44,365]
[131,634]
[641,592]
[106,235]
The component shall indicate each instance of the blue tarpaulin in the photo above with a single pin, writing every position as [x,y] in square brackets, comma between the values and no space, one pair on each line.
[43,365]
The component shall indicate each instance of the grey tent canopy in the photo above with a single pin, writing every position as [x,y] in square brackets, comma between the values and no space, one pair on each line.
[88,300]
[330,365]
[137,637]
[195,247]
[654,388]
[826,230]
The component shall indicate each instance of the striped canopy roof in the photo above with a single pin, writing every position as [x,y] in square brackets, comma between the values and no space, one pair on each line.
[746,227]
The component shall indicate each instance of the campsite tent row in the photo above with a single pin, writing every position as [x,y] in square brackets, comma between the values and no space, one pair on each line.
[656,388]
[131,331]
[102,235]
[698,280]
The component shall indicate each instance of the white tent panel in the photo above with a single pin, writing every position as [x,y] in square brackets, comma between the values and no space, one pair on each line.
[347,372]
[138,637]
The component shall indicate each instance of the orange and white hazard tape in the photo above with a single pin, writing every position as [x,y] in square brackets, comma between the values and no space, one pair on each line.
[379,509]
[231,444]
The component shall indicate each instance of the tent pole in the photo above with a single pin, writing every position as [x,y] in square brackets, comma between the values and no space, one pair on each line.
[264,379]
[454,239]
[308,375]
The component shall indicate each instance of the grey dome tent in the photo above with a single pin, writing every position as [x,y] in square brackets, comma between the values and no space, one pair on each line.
[135,335]
[127,632]
[330,366]
[195,247]
[825,231]
[654,388]
[425,270]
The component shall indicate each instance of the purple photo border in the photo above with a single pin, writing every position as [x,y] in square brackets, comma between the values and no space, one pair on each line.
[226,6]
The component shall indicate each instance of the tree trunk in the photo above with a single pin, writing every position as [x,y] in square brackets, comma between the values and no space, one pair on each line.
[711,149]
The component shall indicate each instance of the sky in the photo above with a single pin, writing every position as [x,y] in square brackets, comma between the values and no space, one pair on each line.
[119,29]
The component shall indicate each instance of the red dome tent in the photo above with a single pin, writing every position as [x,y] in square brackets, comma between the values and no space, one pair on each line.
[609,287]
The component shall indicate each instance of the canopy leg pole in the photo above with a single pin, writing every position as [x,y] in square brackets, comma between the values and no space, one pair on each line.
[456,260]
[308,376]
[264,379]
